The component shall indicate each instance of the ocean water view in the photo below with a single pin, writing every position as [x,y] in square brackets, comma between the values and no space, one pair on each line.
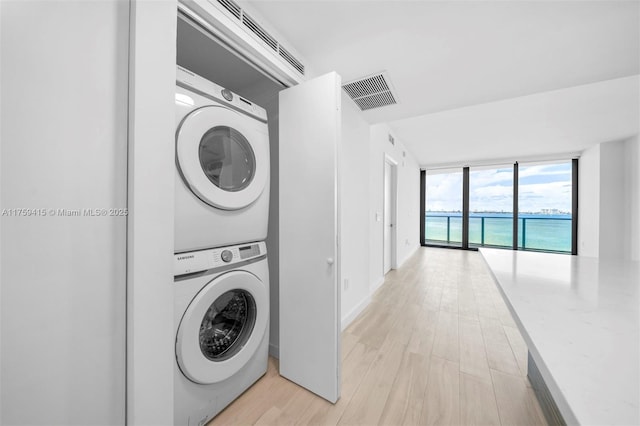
[549,232]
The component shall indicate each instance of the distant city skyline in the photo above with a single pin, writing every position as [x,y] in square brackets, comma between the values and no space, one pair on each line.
[542,187]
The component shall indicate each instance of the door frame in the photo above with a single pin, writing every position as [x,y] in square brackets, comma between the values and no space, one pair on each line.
[150,200]
[393,236]
[150,336]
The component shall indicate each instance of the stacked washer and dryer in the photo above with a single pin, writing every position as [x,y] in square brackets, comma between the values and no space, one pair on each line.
[221,276]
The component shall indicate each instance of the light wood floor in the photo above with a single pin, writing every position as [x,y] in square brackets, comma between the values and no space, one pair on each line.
[437,345]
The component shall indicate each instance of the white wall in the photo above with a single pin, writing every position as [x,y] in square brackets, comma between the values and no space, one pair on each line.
[64,146]
[354,199]
[589,202]
[609,212]
[612,228]
[632,205]
[408,231]
[408,201]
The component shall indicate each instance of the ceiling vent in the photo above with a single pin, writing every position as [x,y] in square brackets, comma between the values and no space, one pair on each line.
[232,7]
[291,60]
[371,92]
[257,30]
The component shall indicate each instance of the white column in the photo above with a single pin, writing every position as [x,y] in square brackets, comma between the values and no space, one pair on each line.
[150,350]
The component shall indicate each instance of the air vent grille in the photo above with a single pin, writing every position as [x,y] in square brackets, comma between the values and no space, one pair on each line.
[291,60]
[232,7]
[371,92]
[252,26]
[375,101]
[366,86]
[259,31]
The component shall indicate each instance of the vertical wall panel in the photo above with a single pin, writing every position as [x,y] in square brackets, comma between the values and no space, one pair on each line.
[64,150]
[150,320]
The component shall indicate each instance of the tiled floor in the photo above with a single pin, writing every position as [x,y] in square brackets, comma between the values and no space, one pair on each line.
[437,345]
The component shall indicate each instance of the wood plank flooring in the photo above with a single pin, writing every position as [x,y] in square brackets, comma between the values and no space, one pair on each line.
[436,346]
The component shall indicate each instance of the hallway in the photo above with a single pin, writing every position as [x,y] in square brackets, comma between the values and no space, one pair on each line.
[437,345]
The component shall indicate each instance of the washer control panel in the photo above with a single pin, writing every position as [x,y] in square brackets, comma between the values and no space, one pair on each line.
[203,260]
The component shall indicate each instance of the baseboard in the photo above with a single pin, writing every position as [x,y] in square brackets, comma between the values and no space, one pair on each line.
[408,256]
[274,351]
[376,285]
[348,319]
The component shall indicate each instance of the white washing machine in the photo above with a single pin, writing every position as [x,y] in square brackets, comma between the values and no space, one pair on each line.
[222,328]
[222,166]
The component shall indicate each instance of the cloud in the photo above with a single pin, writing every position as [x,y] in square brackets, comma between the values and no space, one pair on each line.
[491,198]
[488,177]
[552,195]
[547,186]
[563,169]
[444,192]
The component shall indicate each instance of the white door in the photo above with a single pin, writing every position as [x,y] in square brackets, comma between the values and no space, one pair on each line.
[310,127]
[387,221]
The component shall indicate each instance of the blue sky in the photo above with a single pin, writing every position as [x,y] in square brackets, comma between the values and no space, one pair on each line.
[542,186]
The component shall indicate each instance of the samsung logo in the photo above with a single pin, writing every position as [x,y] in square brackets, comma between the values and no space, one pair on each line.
[186,257]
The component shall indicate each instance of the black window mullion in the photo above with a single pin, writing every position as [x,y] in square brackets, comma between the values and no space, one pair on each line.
[423,195]
[574,206]
[465,208]
[515,206]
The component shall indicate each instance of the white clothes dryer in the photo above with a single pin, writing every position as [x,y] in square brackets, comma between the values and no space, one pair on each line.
[221,326]
[222,166]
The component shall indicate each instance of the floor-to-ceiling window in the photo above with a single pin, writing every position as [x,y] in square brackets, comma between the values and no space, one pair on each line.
[491,206]
[526,206]
[443,216]
[544,206]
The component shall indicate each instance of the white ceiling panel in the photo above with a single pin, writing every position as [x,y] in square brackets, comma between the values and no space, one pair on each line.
[543,125]
[448,55]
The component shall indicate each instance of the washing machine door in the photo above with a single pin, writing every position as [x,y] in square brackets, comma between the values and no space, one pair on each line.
[223,156]
[222,327]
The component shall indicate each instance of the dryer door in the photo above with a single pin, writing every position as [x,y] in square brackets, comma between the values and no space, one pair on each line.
[222,327]
[223,156]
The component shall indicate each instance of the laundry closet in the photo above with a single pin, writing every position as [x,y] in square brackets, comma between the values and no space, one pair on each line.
[88,303]
[304,130]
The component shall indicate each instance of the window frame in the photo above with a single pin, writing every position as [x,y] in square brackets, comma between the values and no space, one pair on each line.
[465,210]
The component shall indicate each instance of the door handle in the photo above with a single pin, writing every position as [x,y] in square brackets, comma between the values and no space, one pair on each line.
[330,260]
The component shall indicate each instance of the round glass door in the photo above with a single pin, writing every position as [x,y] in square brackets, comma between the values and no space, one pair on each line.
[222,327]
[227,159]
[227,325]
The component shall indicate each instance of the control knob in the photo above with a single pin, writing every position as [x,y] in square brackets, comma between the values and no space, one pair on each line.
[226,256]
[227,94]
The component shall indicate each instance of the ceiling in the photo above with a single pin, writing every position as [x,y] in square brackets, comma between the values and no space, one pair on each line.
[452,55]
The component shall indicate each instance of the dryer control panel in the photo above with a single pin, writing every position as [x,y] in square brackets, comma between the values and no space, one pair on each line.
[209,89]
[204,260]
